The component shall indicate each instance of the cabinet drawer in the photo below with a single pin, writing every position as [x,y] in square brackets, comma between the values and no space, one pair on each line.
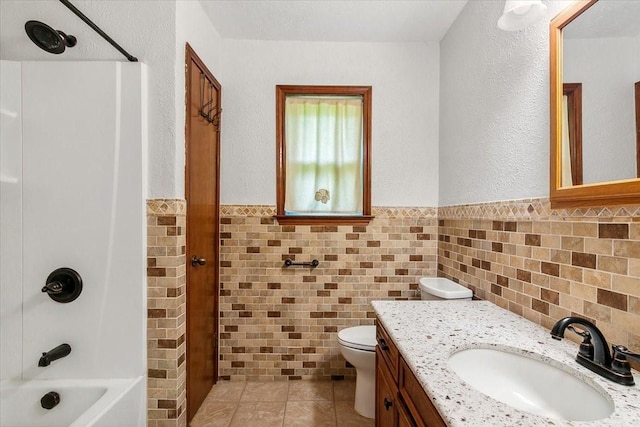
[388,351]
[417,400]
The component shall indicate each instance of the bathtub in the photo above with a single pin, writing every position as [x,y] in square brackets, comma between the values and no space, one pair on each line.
[83,403]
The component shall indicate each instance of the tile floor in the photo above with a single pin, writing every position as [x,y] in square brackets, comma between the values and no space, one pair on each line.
[280,404]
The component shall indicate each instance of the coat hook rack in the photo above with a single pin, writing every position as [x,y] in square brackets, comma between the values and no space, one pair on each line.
[312,264]
[210,112]
[215,119]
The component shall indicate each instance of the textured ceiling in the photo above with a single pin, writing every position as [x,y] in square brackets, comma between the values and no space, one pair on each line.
[345,20]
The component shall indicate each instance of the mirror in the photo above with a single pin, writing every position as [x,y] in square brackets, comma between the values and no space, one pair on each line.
[595,104]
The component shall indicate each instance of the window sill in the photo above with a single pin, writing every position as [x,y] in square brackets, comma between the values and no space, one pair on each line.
[323,220]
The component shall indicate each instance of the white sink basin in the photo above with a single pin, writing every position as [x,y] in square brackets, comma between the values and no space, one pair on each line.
[530,385]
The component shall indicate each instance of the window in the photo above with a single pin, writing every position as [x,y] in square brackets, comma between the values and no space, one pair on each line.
[323,168]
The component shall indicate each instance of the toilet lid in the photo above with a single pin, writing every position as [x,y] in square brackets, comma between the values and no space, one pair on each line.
[359,337]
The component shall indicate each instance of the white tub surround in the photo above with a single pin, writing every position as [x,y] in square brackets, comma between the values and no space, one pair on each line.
[11,214]
[83,403]
[75,147]
[428,332]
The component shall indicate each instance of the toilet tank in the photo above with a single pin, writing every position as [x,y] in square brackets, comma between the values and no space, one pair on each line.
[439,288]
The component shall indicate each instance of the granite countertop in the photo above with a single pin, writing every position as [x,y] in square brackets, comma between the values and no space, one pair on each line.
[428,332]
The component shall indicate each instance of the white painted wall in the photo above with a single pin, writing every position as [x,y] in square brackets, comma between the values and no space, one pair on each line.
[607,70]
[404,79]
[193,27]
[405,113]
[83,185]
[494,108]
[147,30]
[637,56]
[154,31]
[484,97]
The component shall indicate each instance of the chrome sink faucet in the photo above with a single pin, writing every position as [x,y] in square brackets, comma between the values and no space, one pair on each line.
[596,357]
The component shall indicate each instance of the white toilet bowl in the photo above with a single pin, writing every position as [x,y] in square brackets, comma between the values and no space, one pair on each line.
[358,346]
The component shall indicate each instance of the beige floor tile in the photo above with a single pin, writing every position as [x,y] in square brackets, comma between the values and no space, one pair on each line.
[310,390]
[265,392]
[226,391]
[265,404]
[344,390]
[263,414]
[310,413]
[214,414]
[348,417]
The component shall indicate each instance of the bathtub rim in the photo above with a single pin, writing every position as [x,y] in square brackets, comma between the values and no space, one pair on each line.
[117,388]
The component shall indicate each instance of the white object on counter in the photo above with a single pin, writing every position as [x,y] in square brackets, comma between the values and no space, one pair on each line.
[436,288]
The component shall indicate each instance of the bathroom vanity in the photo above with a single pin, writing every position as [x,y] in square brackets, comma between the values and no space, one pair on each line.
[416,384]
[400,399]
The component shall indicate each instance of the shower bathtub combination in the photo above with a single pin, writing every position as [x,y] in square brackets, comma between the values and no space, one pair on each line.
[73,200]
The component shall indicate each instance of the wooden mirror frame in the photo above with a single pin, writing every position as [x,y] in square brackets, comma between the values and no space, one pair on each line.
[624,192]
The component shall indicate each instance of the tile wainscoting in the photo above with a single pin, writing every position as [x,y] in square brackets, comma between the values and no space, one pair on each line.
[166,313]
[281,323]
[545,264]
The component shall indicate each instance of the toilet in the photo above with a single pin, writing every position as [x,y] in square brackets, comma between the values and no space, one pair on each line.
[439,288]
[358,346]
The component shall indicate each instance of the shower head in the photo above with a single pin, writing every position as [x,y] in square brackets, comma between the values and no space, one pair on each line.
[47,38]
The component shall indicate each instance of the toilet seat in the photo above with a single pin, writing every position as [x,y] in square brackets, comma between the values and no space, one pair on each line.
[359,338]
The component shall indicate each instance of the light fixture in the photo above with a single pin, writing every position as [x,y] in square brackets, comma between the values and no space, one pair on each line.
[519,14]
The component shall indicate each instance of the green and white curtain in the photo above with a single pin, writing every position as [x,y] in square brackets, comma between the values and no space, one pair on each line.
[324,155]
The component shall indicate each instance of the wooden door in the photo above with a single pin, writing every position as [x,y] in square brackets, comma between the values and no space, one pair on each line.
[202,191]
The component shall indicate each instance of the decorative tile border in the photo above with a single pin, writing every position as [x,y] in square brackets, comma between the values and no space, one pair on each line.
[539,209]
[533,209]
[166,207]
[247,210]
[405,212]
[378,212]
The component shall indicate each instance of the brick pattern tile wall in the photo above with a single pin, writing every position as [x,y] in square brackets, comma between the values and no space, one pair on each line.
[281,323]
[545,264]
[166,313]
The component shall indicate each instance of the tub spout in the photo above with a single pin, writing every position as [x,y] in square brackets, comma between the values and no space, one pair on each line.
[57,353]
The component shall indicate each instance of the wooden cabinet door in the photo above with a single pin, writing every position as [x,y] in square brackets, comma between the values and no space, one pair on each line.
[404,419]
[418,403]
[386,395]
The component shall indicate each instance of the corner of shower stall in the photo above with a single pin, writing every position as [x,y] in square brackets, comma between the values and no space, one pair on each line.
[73,171]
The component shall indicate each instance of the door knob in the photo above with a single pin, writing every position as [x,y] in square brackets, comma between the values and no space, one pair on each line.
[387,404]
[195,261]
